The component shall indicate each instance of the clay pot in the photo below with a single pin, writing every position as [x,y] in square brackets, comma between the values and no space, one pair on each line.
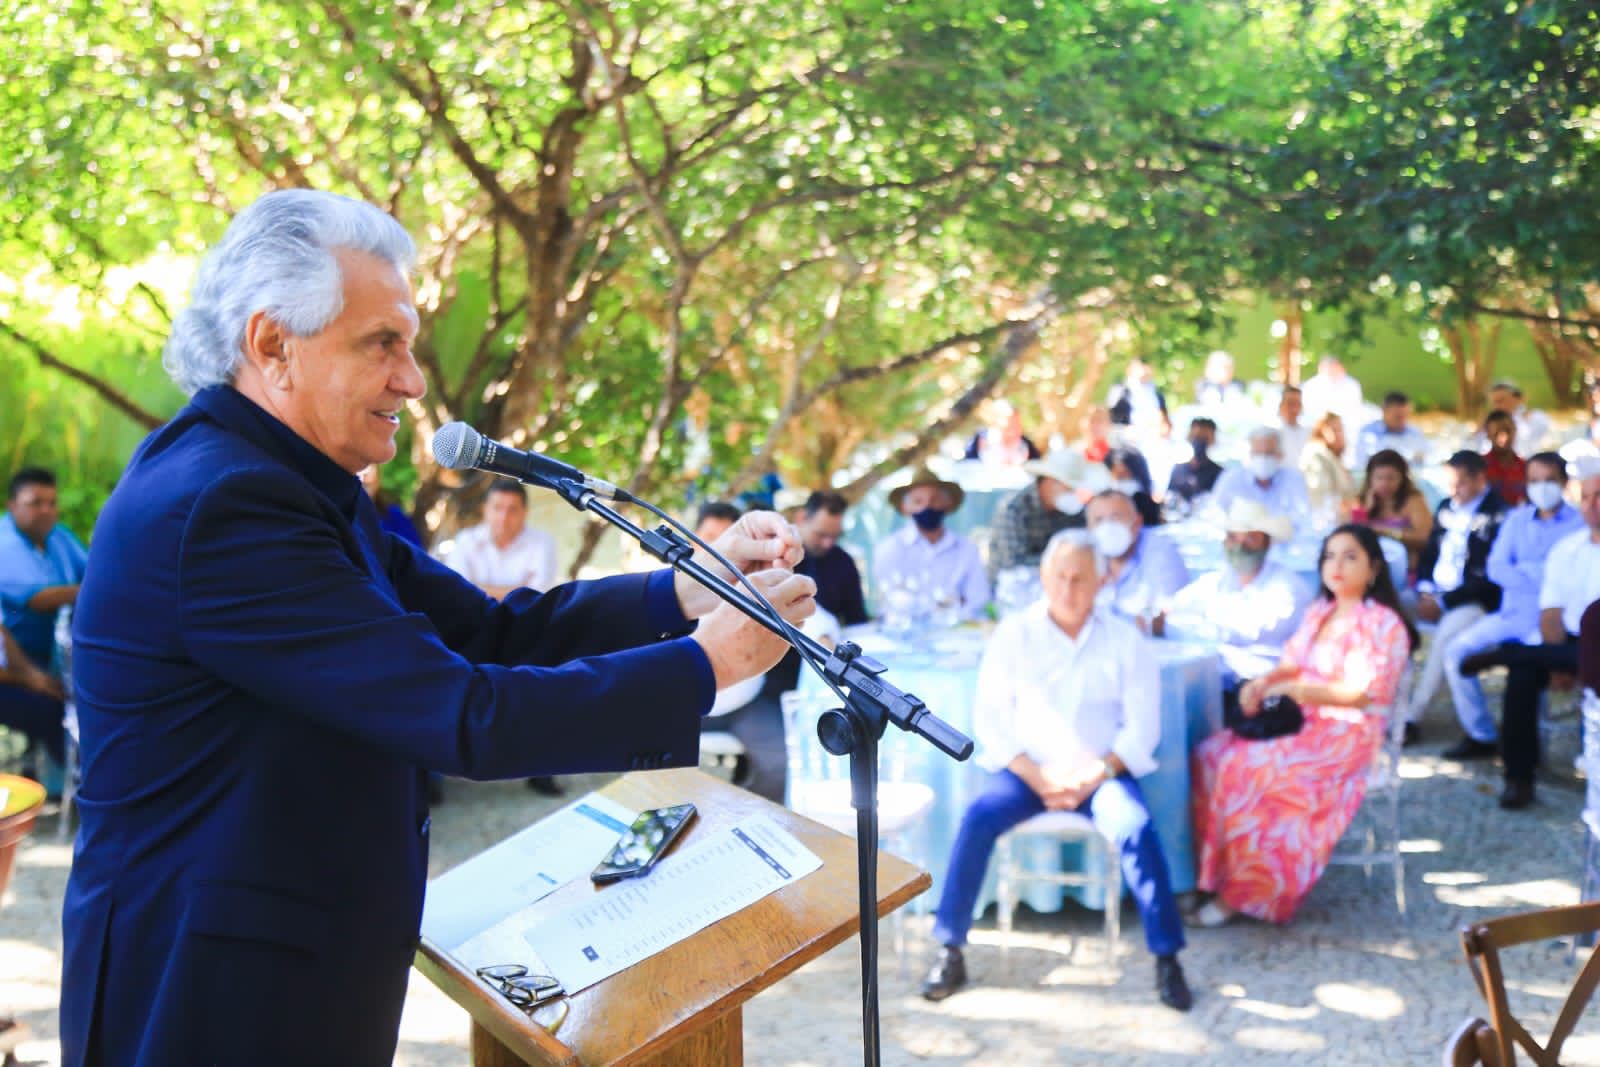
[22,807]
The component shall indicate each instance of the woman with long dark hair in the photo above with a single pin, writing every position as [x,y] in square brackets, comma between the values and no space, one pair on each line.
[1393,506]
[1269,812]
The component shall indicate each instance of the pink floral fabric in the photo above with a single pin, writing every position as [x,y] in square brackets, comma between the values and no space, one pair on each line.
[1269,813]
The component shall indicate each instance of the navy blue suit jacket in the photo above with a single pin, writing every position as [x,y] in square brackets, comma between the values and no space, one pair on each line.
[264,678]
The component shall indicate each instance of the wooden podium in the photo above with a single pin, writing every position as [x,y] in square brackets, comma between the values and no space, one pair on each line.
[682,1007]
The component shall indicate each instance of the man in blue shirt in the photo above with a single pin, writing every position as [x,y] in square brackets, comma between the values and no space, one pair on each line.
[41,563]
[1144,570]
[1516,565]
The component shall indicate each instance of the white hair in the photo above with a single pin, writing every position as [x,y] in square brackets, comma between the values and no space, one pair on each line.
[1266,433]
[1071,541]
[277,256]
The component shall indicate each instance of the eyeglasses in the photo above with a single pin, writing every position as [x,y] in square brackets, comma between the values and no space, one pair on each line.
[528,991]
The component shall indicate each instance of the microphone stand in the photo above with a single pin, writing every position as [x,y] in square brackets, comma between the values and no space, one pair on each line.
[870,705]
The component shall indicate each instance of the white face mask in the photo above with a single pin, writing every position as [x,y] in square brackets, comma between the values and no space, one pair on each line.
[1545,495]
[1261,468]
[1067,503]
[1127,486]
[1112,538]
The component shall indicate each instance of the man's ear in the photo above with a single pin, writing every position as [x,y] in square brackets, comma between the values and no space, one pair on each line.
[266,349]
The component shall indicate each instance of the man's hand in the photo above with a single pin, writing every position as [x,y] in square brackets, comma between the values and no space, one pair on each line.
[740,648]
[758,541]
[1428,608]
[42,682]
[1068,792]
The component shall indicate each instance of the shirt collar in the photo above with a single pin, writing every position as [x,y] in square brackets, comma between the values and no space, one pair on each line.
[239,414]
[1470,507]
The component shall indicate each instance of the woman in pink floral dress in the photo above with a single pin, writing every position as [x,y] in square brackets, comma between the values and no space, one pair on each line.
[1269,813]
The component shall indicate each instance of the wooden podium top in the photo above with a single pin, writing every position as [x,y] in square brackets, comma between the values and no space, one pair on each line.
[642,1011]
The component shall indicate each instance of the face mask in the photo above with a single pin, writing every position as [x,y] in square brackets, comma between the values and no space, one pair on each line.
[1112,539]
[1067,503]
[1200,448]
[928,518]
[1545,495]
[1262,468]
[1244,560]
[1127,486]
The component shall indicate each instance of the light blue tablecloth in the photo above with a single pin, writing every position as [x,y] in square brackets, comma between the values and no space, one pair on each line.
[943,672]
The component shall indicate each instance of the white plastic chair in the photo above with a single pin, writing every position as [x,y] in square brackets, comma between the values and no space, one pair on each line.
[1062,827]
[1374,836]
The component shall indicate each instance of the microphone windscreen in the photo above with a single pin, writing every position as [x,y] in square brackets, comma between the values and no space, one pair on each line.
[456,446]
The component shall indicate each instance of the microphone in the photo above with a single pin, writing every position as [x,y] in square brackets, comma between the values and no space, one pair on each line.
[458,446]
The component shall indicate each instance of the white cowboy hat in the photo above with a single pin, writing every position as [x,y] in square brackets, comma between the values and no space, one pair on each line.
[1071,469]
[1245,515]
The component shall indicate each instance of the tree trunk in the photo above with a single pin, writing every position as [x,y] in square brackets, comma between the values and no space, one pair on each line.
[1290,352]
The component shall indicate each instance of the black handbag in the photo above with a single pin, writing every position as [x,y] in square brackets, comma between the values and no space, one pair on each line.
[1279,716]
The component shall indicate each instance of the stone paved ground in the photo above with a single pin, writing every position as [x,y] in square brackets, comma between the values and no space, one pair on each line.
[1348,982]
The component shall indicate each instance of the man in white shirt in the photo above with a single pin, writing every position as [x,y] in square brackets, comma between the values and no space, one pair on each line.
[1248,608]
[1292,433]
[1334,389]
[936,562]
[503,553]
[1533,427]
[1586,447]
[1571,584]
[1393,431]
[1068,715]
[1264,478]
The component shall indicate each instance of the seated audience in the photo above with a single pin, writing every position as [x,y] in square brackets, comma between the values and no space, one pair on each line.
[1262,477]
[1162,454]
[1067,717]
[1025,521]
[1291,431]
[925,554]
[1392,506]
[1571,584]
[391,516]
[1507,471]
[1136,401]
[1143,569]
[30,698]
[1335,389]
[1198,475]
[1394,431]
[1517,566]
[1268,813]
[826,562]
[1533,427]
[41,564]
[1250,607]
[714,518]
[1329,486]
[1130,475]
[1216,390]
[1001,442]
[1096,434]
[1453,585]
[1586,447]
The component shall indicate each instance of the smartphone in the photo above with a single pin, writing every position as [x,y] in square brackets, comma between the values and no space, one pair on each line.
[643,843]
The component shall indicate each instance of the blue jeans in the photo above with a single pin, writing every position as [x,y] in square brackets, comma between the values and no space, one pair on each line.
[1117,810]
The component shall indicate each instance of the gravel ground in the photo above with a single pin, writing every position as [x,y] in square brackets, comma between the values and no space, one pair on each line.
[1350,981]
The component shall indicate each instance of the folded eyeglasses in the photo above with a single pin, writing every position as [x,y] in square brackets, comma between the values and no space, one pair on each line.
[527,991]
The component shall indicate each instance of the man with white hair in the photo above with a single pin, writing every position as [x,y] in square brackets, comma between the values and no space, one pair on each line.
[1248,608]
[264,677]
[1068,717]
[1264,478]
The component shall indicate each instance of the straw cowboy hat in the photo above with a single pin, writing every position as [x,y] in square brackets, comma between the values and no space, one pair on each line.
[1069,467]
[1246,515]
[924,476]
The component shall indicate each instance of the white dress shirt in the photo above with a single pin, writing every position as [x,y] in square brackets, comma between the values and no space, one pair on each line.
[1284,494]
[1571,578]
[1376,436]
[1250,622]
[530,558]
[1293,439]
[1064,702]
[952,562]
[1451,565]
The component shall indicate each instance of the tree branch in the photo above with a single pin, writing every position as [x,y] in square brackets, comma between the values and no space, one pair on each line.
[108,392]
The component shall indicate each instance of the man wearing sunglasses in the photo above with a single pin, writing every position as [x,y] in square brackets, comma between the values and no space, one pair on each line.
[265,677]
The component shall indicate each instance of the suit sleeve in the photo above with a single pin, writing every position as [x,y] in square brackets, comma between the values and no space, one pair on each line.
[274,604]
[1429,558]
[1475,587]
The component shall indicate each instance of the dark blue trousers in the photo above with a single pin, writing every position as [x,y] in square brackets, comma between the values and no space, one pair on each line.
[36,715]
[1117,810]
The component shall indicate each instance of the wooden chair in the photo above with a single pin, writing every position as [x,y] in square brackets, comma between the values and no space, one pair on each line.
[1483,943]
[1470,1045]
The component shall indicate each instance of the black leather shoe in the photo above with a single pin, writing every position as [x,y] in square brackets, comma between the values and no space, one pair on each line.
[1471,748]
[546,786]
[1413,735]
[1171,984]
[1516,795]
[949,974]
[1479,662]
